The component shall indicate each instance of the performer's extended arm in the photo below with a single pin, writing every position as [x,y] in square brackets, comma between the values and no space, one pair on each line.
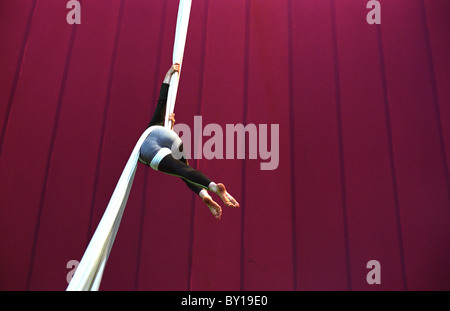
[160,110]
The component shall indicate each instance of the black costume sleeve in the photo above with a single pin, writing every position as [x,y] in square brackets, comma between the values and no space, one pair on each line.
[160,110]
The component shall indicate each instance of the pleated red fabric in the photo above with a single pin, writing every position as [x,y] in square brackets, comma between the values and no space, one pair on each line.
[363,118]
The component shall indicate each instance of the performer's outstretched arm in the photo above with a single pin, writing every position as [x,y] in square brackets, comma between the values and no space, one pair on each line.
[160,110]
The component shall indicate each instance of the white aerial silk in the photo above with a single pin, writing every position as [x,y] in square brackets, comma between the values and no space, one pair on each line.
[89,272]
[184,11]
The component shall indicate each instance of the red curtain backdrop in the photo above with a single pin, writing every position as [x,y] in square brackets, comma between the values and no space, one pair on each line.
[364,118]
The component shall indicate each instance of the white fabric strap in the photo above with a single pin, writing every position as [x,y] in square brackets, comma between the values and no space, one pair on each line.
[90,269]
[184,11]
[89,272]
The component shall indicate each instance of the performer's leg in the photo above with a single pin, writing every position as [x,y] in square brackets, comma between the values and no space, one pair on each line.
[199,183]
[170,165]
[191,186]
[215,208]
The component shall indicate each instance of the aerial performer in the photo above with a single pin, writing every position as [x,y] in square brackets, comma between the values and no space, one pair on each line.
[159,147]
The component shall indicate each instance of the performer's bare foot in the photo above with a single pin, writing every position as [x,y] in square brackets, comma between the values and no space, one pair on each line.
[215,208]
[226,197]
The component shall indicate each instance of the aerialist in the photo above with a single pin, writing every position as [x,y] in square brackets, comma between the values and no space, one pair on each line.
[159,146]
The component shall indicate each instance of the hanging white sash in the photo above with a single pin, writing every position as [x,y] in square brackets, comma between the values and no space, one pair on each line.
[89,272]
[184,10]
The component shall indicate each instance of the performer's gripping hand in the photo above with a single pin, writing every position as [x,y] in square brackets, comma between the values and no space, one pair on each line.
[174,68]
[172,118]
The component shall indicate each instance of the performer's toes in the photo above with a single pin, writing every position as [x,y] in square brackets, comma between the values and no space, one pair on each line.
[226,197]
[215,208]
